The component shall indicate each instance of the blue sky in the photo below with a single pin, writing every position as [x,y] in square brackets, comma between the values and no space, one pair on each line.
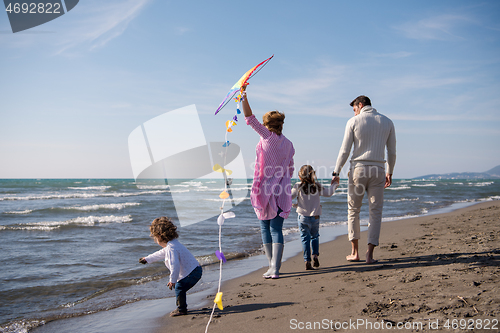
[73,89]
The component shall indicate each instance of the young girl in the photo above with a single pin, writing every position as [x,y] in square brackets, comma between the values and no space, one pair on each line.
[185,271]
[308,205]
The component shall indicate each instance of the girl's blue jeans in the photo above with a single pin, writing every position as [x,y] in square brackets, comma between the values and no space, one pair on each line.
[309,233]
[272,230]
[183,285]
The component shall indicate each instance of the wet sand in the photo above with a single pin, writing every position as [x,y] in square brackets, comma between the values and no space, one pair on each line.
[436,271]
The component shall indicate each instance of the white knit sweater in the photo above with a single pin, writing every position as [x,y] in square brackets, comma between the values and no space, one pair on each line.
[369,132]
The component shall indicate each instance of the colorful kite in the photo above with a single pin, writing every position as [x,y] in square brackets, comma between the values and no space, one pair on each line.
[241,83]
[225,194]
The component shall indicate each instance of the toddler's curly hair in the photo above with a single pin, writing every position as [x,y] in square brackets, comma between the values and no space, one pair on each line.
[163,229]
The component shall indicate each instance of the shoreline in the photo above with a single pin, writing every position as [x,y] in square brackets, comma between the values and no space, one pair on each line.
[326,293]
[431,269]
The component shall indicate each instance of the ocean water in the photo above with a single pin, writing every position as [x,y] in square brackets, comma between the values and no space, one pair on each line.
[71,246]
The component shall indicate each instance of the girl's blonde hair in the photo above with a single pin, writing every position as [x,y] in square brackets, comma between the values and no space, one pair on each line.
[308,179]
[274,120]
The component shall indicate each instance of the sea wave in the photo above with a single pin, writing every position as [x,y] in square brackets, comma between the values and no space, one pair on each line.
[191,183]
[178,191]
[329,224]
[89,188]
[404,187]
[402,199]
[236,200]
[21,326]
[153,187]
[80,221]
[117,206]
[395,218]
[212,259]
[424,185]
[491,198]
[482,184]
[27,211]
[81,195]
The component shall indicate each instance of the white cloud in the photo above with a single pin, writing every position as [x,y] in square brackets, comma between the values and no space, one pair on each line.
[441,27]
[393,55]
[91,24]
[102,22]
[419,82]
[181,30]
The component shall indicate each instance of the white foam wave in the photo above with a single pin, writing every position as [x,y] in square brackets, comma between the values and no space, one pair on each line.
[289,231]
[27,211]
[328,224]
[153,187]
[395,218]
[493,197]
[404,187]
[89,188]
[82,221]
[237,201]
[22,326]
[424,185]
[482,184]
[201,189]
[91,220]
[81,195]
[196,184]
[402,199]
[103,206]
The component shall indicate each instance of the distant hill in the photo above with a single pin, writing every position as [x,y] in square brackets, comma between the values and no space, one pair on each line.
[490,174]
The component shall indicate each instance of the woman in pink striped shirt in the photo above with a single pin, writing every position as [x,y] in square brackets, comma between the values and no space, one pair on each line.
[271,189]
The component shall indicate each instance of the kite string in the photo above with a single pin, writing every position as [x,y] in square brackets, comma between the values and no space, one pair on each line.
[220,233]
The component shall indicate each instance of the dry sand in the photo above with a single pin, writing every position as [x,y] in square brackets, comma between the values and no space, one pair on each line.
[432,271]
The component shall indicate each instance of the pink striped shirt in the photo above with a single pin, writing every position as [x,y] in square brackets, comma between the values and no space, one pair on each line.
[271,186]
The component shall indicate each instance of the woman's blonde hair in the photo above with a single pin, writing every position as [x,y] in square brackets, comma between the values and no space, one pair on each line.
[274,120]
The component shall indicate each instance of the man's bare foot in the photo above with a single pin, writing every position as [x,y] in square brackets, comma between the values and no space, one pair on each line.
[352,257]
[370,260]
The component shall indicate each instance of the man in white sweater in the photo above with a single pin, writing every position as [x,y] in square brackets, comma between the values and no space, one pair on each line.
[370,133]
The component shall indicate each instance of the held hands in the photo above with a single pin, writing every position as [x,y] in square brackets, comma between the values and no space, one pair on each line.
[171,285]
[388,180]
[335,179]
[143,261]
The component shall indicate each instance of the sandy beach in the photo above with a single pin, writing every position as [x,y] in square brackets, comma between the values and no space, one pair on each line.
[436,272]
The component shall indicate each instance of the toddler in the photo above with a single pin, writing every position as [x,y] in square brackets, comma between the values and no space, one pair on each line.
[185,271]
